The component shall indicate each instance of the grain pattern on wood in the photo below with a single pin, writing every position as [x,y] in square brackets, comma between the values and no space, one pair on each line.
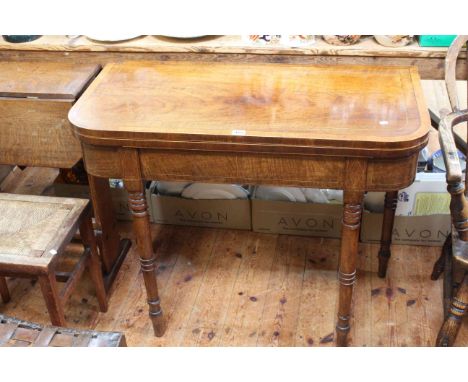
[30,181]
[137,204]
[4,171]
[34,102]
[182,279]
[45,80]
[371,327]
[242,326]
[218,167]
[37,133]
[458,206]
[232,44]
[34,129]
[450,69]
[283,297]
[429,67]
[52,299]
[4,292]
[104,212]
[15,332]
[352,212]
[94,263]
[235,117]
[204,326]
[317,315]
[176,246]
[288,105]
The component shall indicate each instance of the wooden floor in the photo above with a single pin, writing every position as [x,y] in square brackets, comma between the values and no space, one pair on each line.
[239,288]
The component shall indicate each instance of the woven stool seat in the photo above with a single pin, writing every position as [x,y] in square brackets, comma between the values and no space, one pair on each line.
[14,332]
[33,229]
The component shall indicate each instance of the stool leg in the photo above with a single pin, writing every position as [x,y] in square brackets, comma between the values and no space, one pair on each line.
[95,267]
[348,257]
[4,292]
[458,308]
[387,228]
[52,299]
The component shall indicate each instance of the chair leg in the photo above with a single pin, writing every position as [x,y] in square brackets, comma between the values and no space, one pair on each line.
[4,292]
[450,327]
[439,265]
[95,268]
[448,285]
[387,230]
[52,299]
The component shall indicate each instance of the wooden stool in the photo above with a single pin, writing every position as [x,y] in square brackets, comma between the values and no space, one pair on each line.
[34,231]
[14,332]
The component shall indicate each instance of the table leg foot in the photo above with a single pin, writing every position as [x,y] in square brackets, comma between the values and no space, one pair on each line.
[342,330]
[387,230]
[348,256]
[384,256]
[159,324]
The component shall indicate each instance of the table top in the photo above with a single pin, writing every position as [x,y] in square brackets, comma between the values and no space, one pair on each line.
[348,110]
[45,80]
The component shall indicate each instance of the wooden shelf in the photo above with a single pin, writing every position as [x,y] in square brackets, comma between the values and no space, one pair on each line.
[220,44]
[429,61]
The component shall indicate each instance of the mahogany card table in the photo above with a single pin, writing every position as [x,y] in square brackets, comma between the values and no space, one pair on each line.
[355,128]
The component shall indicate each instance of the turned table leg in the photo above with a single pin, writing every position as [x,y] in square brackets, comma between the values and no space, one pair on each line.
[387,230]
[348,256]
[141,227]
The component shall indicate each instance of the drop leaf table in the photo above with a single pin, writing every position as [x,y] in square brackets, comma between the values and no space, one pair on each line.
[35,98]
[356,128]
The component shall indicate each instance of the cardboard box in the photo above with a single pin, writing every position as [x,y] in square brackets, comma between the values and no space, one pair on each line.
[427,196]
[422,216]
[234,214]
[290,218]
[410,230]
[119,197]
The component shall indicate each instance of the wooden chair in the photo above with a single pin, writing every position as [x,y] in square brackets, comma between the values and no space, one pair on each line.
[455,250]
[18,333]
[34,231]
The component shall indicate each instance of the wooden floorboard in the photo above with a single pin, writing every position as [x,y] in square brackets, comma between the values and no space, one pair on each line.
[240,288]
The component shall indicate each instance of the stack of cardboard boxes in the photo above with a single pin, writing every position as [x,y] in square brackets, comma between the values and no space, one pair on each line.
[422,215]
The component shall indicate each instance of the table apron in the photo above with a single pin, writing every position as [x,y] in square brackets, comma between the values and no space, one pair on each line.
[249,168]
